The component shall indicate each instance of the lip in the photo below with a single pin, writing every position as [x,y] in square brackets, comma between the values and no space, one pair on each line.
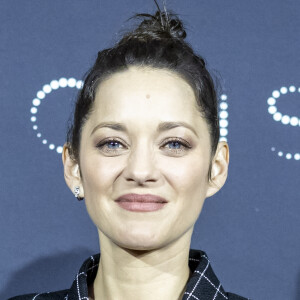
[141,203]
[144,198]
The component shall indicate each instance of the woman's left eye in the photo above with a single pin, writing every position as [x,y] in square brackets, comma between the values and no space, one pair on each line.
[177,144]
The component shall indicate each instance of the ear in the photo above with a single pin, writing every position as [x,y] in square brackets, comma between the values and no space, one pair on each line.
[71,171]
[219,169]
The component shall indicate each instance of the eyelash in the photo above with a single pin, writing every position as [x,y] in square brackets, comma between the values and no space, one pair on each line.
[185,144]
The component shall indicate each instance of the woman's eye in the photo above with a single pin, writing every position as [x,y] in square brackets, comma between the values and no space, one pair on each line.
[177,144]
[173,145]
[110,145]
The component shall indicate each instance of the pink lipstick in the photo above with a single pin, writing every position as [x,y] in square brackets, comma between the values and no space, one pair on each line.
[141,203]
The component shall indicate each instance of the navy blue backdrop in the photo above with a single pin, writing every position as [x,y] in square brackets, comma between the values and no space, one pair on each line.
[250,229]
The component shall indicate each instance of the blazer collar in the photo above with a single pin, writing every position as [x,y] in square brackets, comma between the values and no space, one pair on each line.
[203,284]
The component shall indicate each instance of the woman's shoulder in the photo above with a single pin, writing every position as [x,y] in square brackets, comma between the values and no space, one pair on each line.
[59,295]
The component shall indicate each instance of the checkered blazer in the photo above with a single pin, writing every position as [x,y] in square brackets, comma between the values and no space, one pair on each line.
[202,285]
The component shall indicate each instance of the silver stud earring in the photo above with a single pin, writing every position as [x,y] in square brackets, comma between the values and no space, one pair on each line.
[77,192]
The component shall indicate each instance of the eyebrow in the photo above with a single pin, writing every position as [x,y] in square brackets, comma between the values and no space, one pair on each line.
[163,126]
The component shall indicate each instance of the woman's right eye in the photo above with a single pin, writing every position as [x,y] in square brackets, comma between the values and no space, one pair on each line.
[110,145]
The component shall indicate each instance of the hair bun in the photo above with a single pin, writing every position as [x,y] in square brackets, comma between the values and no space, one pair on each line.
[160,25]
[176,28]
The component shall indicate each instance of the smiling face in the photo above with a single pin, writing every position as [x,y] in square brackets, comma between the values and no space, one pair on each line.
[160,146]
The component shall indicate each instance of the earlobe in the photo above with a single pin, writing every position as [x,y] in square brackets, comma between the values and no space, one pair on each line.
[219,169]
[71,170]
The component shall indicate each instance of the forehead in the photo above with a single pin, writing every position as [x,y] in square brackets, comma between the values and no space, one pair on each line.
[142,96]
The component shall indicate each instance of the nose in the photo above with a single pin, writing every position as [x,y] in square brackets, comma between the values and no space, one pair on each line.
[141,165]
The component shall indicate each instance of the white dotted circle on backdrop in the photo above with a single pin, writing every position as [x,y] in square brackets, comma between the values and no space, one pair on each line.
[284,119]
[40,98]
[278,116]
[288,155]
[223,115]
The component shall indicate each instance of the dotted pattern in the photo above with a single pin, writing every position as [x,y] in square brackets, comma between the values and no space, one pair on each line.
[40,98]
[288,155]
[284,119]
[223,115]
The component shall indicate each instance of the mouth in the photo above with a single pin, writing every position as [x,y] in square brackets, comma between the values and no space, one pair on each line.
[141,203]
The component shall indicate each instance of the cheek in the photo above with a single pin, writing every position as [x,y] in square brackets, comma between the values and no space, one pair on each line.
[98,175]
[188,178]
[187,174]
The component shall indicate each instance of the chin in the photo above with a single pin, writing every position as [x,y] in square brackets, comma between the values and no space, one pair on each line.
[140,243]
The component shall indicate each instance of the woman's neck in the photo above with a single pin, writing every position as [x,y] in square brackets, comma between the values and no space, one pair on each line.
[156,274]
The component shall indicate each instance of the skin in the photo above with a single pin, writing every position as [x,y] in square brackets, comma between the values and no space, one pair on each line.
[142,250]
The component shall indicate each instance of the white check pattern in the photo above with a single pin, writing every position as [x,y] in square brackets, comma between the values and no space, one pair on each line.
[202,285]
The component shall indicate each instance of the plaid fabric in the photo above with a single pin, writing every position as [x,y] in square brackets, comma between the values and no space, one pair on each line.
[202,285]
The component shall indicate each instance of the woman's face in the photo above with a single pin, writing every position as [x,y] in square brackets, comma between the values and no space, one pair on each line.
[143,157]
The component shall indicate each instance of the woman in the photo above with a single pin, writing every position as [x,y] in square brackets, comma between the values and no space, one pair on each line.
[144,153]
